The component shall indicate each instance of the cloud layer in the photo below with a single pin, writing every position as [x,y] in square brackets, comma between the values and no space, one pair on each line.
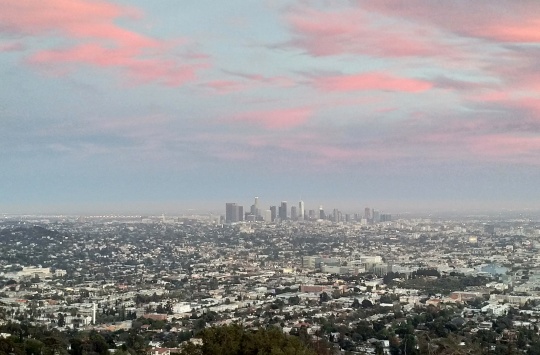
[295,88]
[89,35]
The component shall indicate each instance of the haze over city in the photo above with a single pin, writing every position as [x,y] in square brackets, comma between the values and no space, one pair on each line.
[167,106]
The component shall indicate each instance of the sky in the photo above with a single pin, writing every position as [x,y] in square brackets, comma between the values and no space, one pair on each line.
[164,106]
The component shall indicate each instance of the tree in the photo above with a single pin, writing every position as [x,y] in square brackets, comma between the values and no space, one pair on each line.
[33,346]
[98,343]
[336,294]
[388,278]
[54,345]
[199,324]
[367,303]
[385,299]
[169,307]
[323,297]
[294,300]
[61,320]
[235,340]
[191,349]
[408,345]
[534,349]
[9,346]
[135,341]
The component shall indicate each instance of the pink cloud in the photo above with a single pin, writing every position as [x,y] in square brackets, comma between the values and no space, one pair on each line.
[501,21]
[247,81]
[98,40]
[225,86]
[371,81]
[356,31]
[492,34]
[492,96]
[12,47]
[518,69]
[513,102]
[277,80]
[276,119]
[502,130]
[488,138]
[322,150]
[160,70]
[522,32]
[531,103]
[506,145]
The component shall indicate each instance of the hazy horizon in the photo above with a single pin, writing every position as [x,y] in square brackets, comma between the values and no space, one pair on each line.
[176,209]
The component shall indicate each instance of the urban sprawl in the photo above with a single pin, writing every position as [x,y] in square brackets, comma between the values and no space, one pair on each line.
[355,283]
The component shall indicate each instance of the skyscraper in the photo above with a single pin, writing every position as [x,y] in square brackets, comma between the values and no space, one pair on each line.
[268,215]
[301,210]
[336,215]
[385,217]
[233,213]
[229,211]
[294,213]
[273,213]
[240,213]
[322,215]
[283,211]
[376,216]
[367,213]
[255,208]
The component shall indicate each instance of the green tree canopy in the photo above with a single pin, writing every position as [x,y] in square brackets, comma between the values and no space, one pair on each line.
[235,340]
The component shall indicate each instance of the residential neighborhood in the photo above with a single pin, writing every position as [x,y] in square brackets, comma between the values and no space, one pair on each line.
[356,287]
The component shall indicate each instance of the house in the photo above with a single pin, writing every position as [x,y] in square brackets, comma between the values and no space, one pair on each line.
[160,351]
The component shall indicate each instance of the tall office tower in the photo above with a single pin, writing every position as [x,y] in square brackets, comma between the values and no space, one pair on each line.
[367,213]
[311,215]
[229,212]
[376,216]
[257,209]
[254,210]
[322,215]
[233,213]
[385,217]
[294,214]
[301,212]
[347,217]
[267,216]
[240,213]
[335,215]
[283,210]
[273,213]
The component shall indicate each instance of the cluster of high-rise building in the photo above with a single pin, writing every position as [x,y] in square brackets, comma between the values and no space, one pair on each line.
[373,216]
[235,213]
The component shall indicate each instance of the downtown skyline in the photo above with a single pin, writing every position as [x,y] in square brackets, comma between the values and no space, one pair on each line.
[137,107]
